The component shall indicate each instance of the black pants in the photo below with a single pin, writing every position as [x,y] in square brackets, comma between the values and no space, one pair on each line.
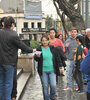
[88,96]
[14,90]
[78,78]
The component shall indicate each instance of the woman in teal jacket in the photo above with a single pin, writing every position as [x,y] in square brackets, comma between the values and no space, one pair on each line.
[85,68]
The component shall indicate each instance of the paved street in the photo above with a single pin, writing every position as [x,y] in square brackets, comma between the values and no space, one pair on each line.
[33,90]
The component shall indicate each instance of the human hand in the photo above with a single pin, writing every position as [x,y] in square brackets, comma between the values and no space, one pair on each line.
[34,50]
[74,50]
[67,45]
[83,55]
[38,55]
[61,70]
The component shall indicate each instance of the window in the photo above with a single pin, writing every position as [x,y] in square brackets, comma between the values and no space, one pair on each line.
[32,25]
[25,24]
[39,25]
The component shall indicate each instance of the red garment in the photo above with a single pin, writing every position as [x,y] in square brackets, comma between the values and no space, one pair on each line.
[85,51]
[57,43]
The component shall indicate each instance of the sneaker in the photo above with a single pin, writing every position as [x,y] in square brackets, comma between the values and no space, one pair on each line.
[76,88]
[67,88]
[54,98]
[62,75]
[79,92]
[85,82]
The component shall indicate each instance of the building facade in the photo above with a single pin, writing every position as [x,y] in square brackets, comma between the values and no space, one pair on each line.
[28,15]
[23,23]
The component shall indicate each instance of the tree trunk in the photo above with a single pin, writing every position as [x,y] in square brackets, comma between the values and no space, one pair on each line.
[78,22]
[67,7]
[62,19]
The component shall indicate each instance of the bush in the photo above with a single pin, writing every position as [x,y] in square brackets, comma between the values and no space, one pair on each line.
[34,44]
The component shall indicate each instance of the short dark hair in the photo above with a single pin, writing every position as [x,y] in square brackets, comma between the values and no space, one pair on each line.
[44,36]
[83,29]
[53,30]
[8,22]
[74,28]
[81,39]
[2,20]
[59,35]
[46,31]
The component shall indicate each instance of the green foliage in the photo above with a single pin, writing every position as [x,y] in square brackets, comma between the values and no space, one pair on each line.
[34,44]
[49,21]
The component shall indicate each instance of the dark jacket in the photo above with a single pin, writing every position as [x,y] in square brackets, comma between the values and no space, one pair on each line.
[62,55]
[9,44]
[87,42]
[56,60]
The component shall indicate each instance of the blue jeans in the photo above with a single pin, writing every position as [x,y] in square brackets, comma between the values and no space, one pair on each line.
[85,76]
[48,78]
[70,68]
[6,81]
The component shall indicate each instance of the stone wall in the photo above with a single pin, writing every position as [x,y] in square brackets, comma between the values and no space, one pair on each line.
[27,63]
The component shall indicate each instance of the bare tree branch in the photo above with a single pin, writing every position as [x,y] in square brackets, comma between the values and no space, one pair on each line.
[62,18]
[74,1]
[68,7]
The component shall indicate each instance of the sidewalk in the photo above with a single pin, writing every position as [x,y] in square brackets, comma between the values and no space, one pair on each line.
[33,90]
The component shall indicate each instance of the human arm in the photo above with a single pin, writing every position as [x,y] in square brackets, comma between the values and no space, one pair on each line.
[79,57]
[21,45]
[58,61]
[66,45]
[37,56]
[62,45]
[79,53]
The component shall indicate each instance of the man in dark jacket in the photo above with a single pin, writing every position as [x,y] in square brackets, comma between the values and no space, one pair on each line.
[14,90]
[9,44]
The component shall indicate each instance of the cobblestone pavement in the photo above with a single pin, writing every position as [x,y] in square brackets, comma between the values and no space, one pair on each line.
[33,90]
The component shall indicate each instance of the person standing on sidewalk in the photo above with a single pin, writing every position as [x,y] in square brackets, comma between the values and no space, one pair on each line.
[55,41]
[9,44]
[83,33]
[85,68]
[87,38]
[48,61]
[77,74]
[70,45]
[14,90]
[58,44]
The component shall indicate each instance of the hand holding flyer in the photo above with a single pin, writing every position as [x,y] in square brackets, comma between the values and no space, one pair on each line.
[38,52]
